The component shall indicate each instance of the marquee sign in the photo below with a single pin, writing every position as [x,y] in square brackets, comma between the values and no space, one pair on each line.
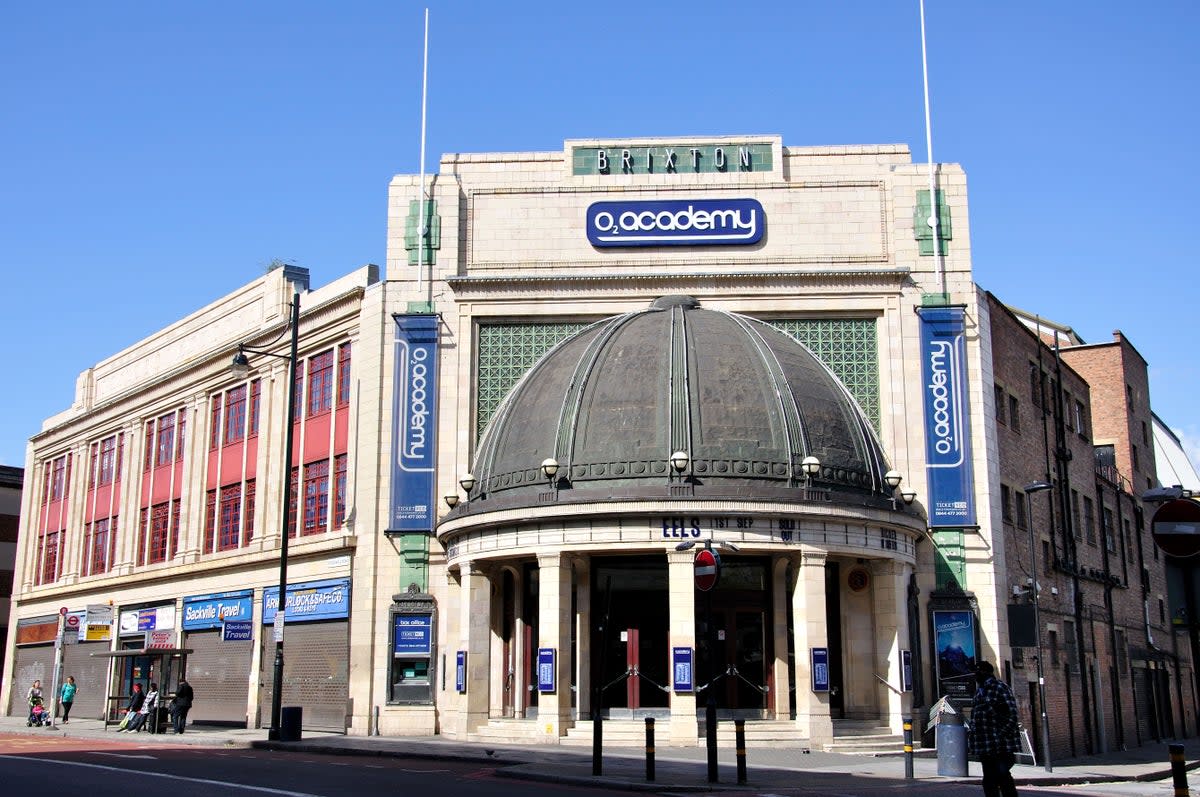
[690,222]
[947,426]
[415,413]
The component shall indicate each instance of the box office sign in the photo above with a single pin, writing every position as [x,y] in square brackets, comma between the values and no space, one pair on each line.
[415,414]
[947,426]
[315,600]
[412,635]
[210,611]
[689,222]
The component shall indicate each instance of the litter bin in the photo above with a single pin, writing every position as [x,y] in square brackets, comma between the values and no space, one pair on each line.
[951,740]
[290,720]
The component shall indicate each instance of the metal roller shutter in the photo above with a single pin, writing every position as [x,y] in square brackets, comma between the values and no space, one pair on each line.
[315,673]
[91,677]
[33,663]
[219,672]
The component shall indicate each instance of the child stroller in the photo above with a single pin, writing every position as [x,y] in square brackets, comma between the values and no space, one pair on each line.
[38,715]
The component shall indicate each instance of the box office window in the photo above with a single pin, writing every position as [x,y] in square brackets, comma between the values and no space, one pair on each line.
[412,658]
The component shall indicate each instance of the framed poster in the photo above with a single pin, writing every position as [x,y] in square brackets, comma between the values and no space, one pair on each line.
[545,669]
[820,669]
[681,668]
[954,648]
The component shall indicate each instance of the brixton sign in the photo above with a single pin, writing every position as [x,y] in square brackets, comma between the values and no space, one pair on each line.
[696,222]
[708,569]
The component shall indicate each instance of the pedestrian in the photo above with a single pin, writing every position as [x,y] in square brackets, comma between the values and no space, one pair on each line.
[149,705]
[180,704]
[136,698]
[994,734]
[67,697]
[34,700]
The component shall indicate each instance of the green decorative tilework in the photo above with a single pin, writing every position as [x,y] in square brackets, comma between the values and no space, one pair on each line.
[850,348]
[921,230]
[691,158]
[433,238]
[949,558]
[414,561]
[506,353]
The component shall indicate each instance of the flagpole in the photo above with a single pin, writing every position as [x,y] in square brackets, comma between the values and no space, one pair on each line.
[423,222]
[934,219]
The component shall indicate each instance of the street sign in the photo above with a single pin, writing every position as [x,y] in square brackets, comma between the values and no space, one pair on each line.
[708,569]
[73,621]
[62,612]
[1176,527]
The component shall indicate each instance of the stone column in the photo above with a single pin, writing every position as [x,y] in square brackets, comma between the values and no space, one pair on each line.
[476,624]
[890,607]
[554,631]
[779,632]
[683,728]
[808,613]
[584,624]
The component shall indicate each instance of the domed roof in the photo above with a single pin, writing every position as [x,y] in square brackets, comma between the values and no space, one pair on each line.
[746,402]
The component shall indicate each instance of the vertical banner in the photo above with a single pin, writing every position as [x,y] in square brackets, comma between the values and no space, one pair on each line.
[413,432]
[820,669]
[947,419]
[954,643]
[906,682]
[545,667]
[681,667]
[460,672]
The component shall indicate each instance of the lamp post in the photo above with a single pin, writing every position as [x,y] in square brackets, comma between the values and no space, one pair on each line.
[1030,489]
[240,367]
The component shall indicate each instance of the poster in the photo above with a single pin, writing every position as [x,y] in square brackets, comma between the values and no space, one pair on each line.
[954,643]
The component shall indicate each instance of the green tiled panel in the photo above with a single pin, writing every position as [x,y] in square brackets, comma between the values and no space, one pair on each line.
[850,348]
[433,240]
[414,561]
[949,565]
[506,353]
[653,160]
[921,230]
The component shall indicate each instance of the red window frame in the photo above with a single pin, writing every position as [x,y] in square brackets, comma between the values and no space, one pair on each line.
[320,383]
[214,425]
[343,384]
[316,497]
[210,520]
[98,545]
[293,484]
[143,525]
[231,517]
[159,533]
[50,545]
[108,461]
[148,459]
[255,403]
[235,415]
[248,512]
[339,487]
[58,478]
[164,441]
[180,428]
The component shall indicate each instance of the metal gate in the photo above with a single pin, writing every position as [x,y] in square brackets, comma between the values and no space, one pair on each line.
[315,674]
[91,677]
[33,663]
[219,672]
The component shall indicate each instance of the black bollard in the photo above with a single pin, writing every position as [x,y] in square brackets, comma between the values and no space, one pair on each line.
[649,748]
[739,735]
[1178,770]
[597,742]
[710,735]
[908,750]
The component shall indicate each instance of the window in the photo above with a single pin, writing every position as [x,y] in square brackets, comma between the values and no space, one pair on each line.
[316,497]
[320,383]
[1129,395]
[1145,434]
[1070,646]
[1122,651]
[58,479]
[210,520]
[1128,535]
[248,513]
[1006,503]
[235,415]
[165,440]
[339,467]
[160,532]
[1106,518]
[999,398]
[1019,500]
[1080,419]
[1046,557]
[106,460]
[1052,637]
[1067,416]
[99,543]
[1137,462]
[1014,413]
[148,459]
[214,423]
[49,544]
[255,401]
[343,387]
[231,517]
[1035,385]
[179,435]
[298,404]
[1089,520]
[293,488]
[1075,519]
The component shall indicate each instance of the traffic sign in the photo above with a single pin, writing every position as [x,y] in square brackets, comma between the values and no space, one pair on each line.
[1176,527]
[708,569]
[72,621]
[62,612]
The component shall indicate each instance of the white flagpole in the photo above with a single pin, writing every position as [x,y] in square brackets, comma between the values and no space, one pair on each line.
[933,219]
[422,220]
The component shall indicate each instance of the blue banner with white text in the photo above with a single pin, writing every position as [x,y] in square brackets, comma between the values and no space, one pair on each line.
[947,417]
[415,425]
[313,600]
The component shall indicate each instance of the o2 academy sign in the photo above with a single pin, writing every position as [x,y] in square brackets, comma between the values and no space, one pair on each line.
[696,222]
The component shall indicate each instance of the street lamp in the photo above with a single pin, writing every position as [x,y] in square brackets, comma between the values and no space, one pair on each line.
[240,368]
[1030,489]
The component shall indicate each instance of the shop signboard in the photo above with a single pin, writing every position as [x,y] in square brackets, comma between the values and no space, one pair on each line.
[686,222]
[310,601]
[237,630]
[202,612]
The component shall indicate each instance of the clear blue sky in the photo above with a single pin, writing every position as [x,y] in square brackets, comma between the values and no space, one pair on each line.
[157,156]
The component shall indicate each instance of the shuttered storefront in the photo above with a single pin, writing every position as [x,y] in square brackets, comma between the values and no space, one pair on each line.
[33,663]
[219,672]
[316,674]
[91,677]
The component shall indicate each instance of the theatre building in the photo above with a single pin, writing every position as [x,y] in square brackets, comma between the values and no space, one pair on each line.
[622,428]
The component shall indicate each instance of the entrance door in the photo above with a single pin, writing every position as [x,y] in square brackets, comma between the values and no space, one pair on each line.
[739,607]
[833,631]
[508,637]
[630,634]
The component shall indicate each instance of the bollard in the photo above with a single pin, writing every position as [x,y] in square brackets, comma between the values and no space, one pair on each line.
[650,748]
[908,750]
[739,731]
[710,736]
[1178,770]
[597,742]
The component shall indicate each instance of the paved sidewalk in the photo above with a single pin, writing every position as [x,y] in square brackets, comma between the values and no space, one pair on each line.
[676,768]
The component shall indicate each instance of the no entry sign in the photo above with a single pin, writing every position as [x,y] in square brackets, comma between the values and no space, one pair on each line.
[708,569]
[1176,527]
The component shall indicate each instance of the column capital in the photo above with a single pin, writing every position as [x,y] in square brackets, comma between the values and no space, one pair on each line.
[813,557]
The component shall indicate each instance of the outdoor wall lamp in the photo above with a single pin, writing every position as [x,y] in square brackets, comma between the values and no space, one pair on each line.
[467,482]
[451,499]
[680,461]
[810,466]
[549,468]
[908,495]
[892,479]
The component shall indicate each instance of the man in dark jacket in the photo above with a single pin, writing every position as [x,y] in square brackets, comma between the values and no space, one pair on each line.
[180,705]
[995,731]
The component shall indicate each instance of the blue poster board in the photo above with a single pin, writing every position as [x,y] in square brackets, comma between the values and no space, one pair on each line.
[460,672]
[820,669]
[412,635]
[681,668]
[210,611]
[546,669]
[947,417]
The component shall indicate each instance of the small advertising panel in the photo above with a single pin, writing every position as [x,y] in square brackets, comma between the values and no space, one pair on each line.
[412,634]
[237,630]
[460,672]
[681,669]
[906,679]
[954,642]
[546,669]
[820,669]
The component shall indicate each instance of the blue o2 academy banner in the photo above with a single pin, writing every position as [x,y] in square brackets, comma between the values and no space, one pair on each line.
[947,419]
[413,434]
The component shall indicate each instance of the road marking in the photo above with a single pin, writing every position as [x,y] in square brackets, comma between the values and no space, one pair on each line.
[223,783]
[127,755]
